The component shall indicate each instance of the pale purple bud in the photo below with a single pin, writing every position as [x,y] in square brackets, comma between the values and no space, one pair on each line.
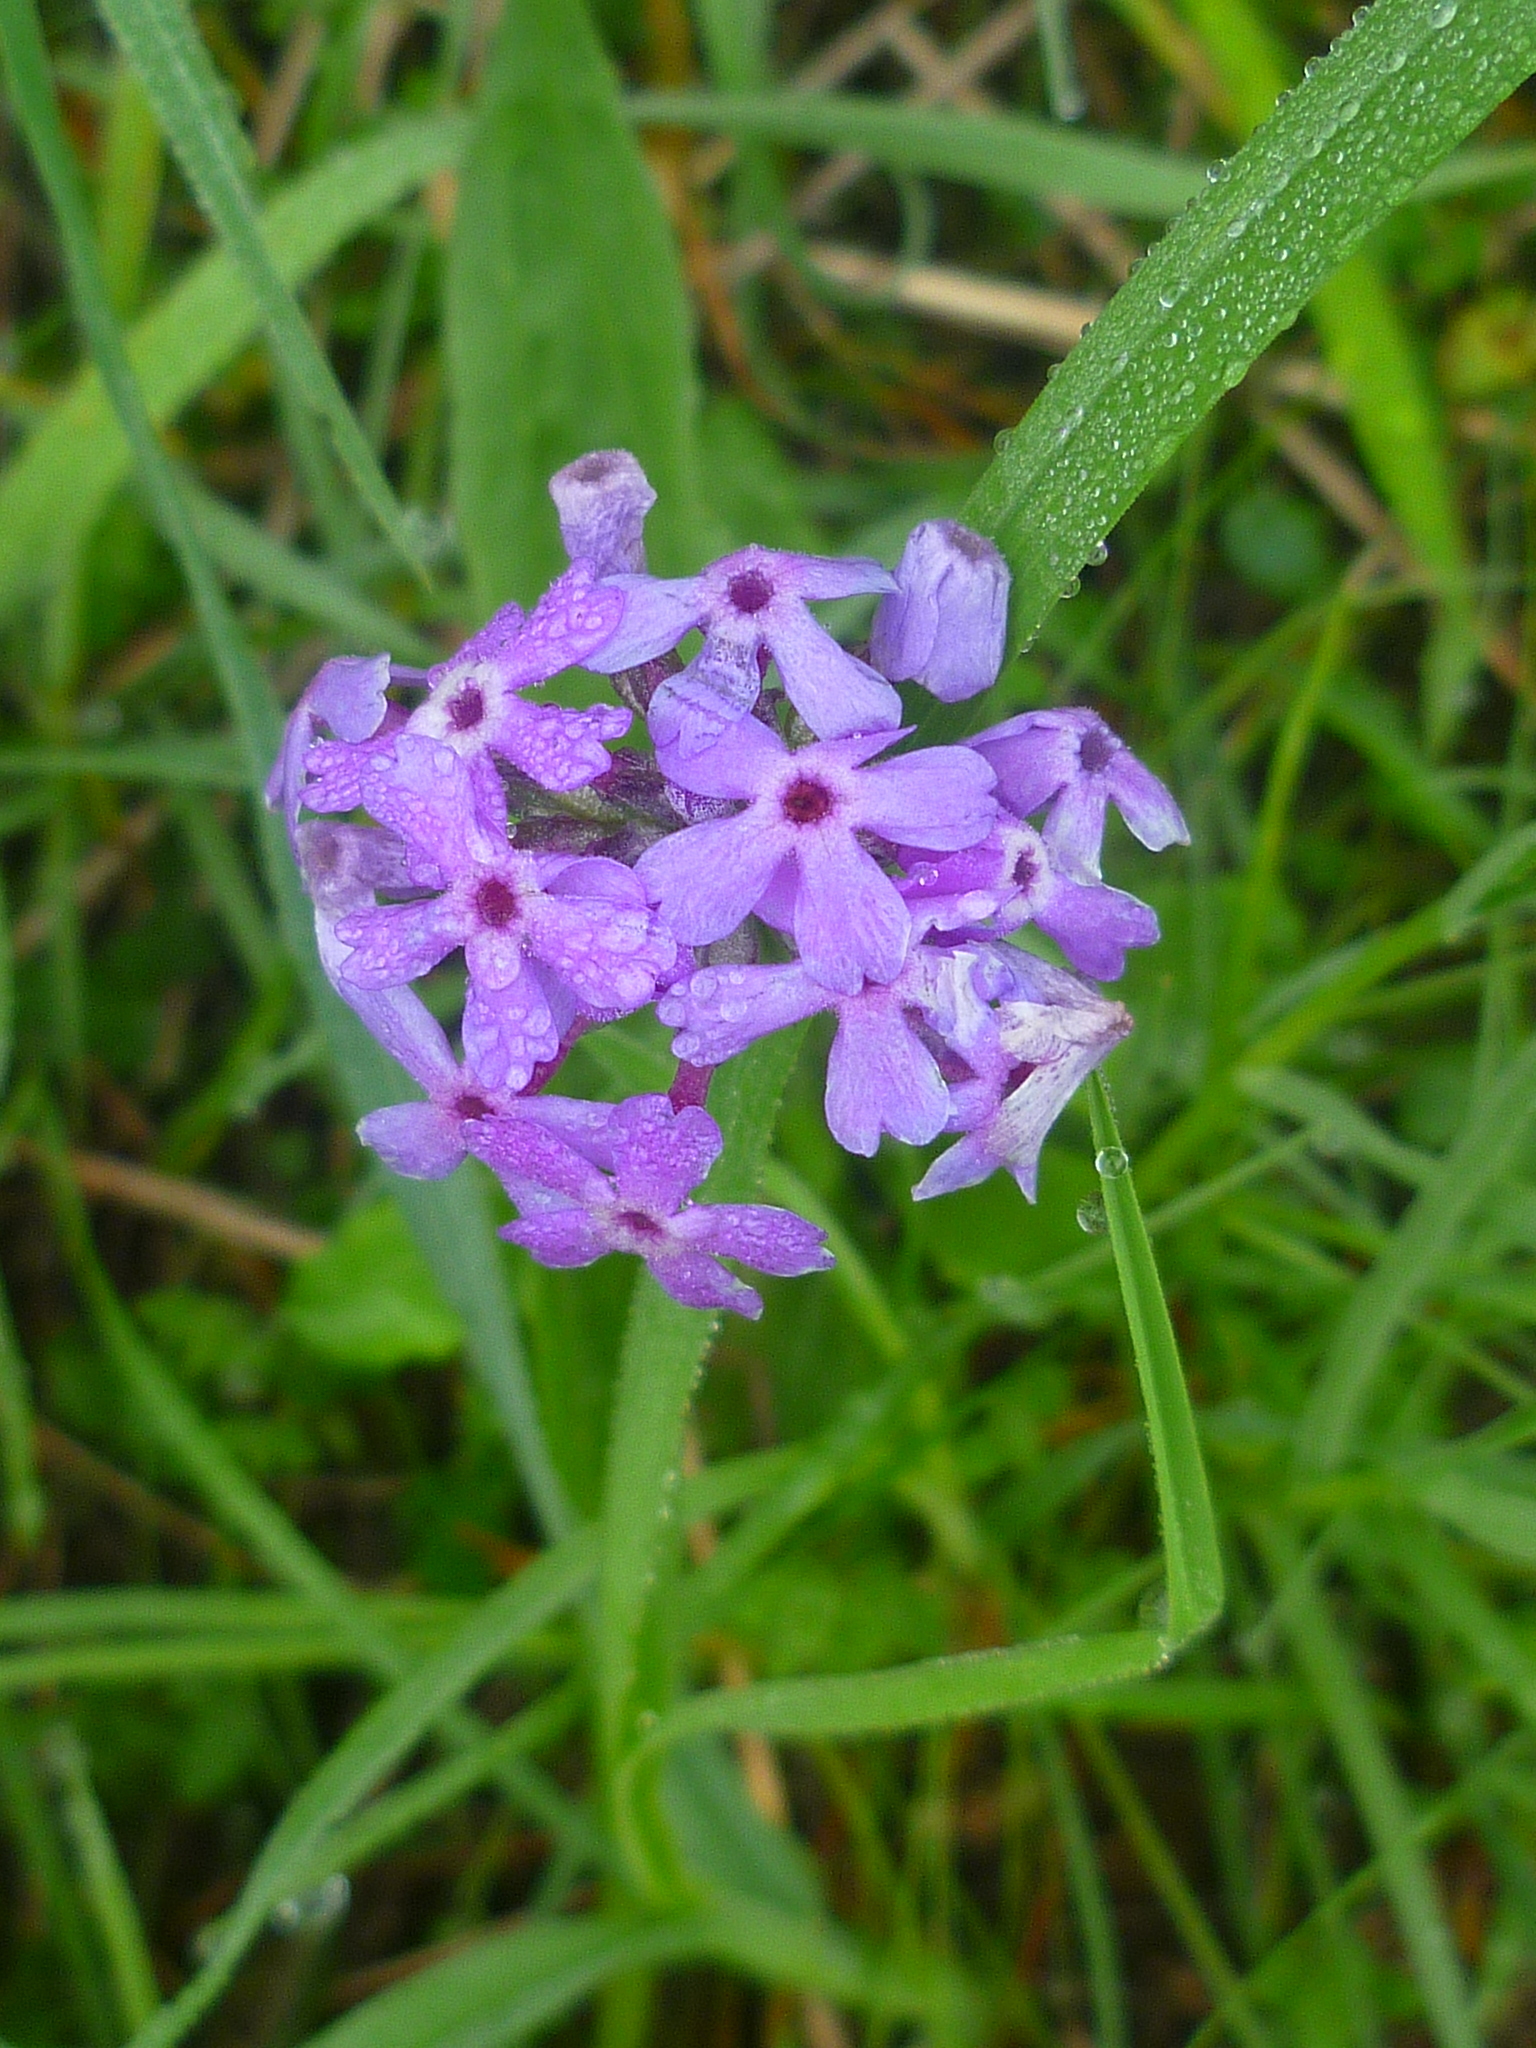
[944,624]
[602,500]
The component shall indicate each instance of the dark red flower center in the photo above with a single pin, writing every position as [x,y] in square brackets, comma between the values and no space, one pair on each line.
[1018,1075]
[1096,750]
[470,1106]
[1025,869]
[806,802]
[466,710]
[749,590]
[496,903]
[637,1221]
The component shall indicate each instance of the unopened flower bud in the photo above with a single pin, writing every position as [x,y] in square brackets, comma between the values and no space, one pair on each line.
[602,500]
[944,625]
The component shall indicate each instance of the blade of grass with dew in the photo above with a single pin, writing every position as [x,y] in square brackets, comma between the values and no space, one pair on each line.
[1421,1247]
[564,288]
[1395,94]
[161,41]
[999,152]
[1378,1792]
[1392,406]
[450,1218]
[55,489]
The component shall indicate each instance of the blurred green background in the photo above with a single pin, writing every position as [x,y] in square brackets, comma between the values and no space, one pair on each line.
[235,1352]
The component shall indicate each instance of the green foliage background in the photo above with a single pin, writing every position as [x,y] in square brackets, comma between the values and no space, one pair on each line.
[402,1646]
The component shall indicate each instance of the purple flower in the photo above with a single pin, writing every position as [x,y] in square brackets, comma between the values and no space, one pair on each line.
[575,1212]
[348,695]
[475,702]
[1008,880]
[881,1074]
[602,500]
[804,811]
[751,606]
[944,624]
[1027,1053]
[1071,760]
[543,934]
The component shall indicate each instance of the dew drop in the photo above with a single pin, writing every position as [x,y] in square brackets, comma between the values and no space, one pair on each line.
[1216,171]
[1394,60]
[1098,553]
[1000,441]
[1168,297]
[1091,1218]
[1443,13]
[1112,1162]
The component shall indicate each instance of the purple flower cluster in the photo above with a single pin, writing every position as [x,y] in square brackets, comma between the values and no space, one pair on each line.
[771,857]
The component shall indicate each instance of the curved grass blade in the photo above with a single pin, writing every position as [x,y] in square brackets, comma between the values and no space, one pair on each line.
[1395,94]
[56,488]
[1036,1674]
[999,152]
[160,40]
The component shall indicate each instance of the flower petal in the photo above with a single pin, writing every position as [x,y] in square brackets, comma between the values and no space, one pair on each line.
[612,956]
[719,1011]
[850,922]
[416,1139]
[657,614]
[508,1031]
[833,691]
[1146,804]
[660,1154]
[556,747]
[938,798]
[394,943]
[559,1237]
[880,1077]
[695,1279]
[769,1240]
[706,879]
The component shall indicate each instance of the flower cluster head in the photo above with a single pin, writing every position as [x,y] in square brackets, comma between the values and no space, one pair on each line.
[778,852]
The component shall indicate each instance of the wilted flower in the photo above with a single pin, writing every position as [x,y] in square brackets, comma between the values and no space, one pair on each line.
[944,624]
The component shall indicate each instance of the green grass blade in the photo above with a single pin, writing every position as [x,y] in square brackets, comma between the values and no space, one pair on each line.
[25,1506]
[104,1889]
[1420,1250]
[450,1219]
[54,491]
[1090,1896]
[1047,1673]
[505,1987]
[564,293]
[1379,1793]
[1000,152]
[161,41]
[250,556]
[187,762]
[1396,93]
[369,1750]
[1190,1542]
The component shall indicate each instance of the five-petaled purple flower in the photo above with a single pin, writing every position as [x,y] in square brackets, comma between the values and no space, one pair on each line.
[1073,762]
[898,883]
[751,607]
[543,934]
[574,1211]
[806,810]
